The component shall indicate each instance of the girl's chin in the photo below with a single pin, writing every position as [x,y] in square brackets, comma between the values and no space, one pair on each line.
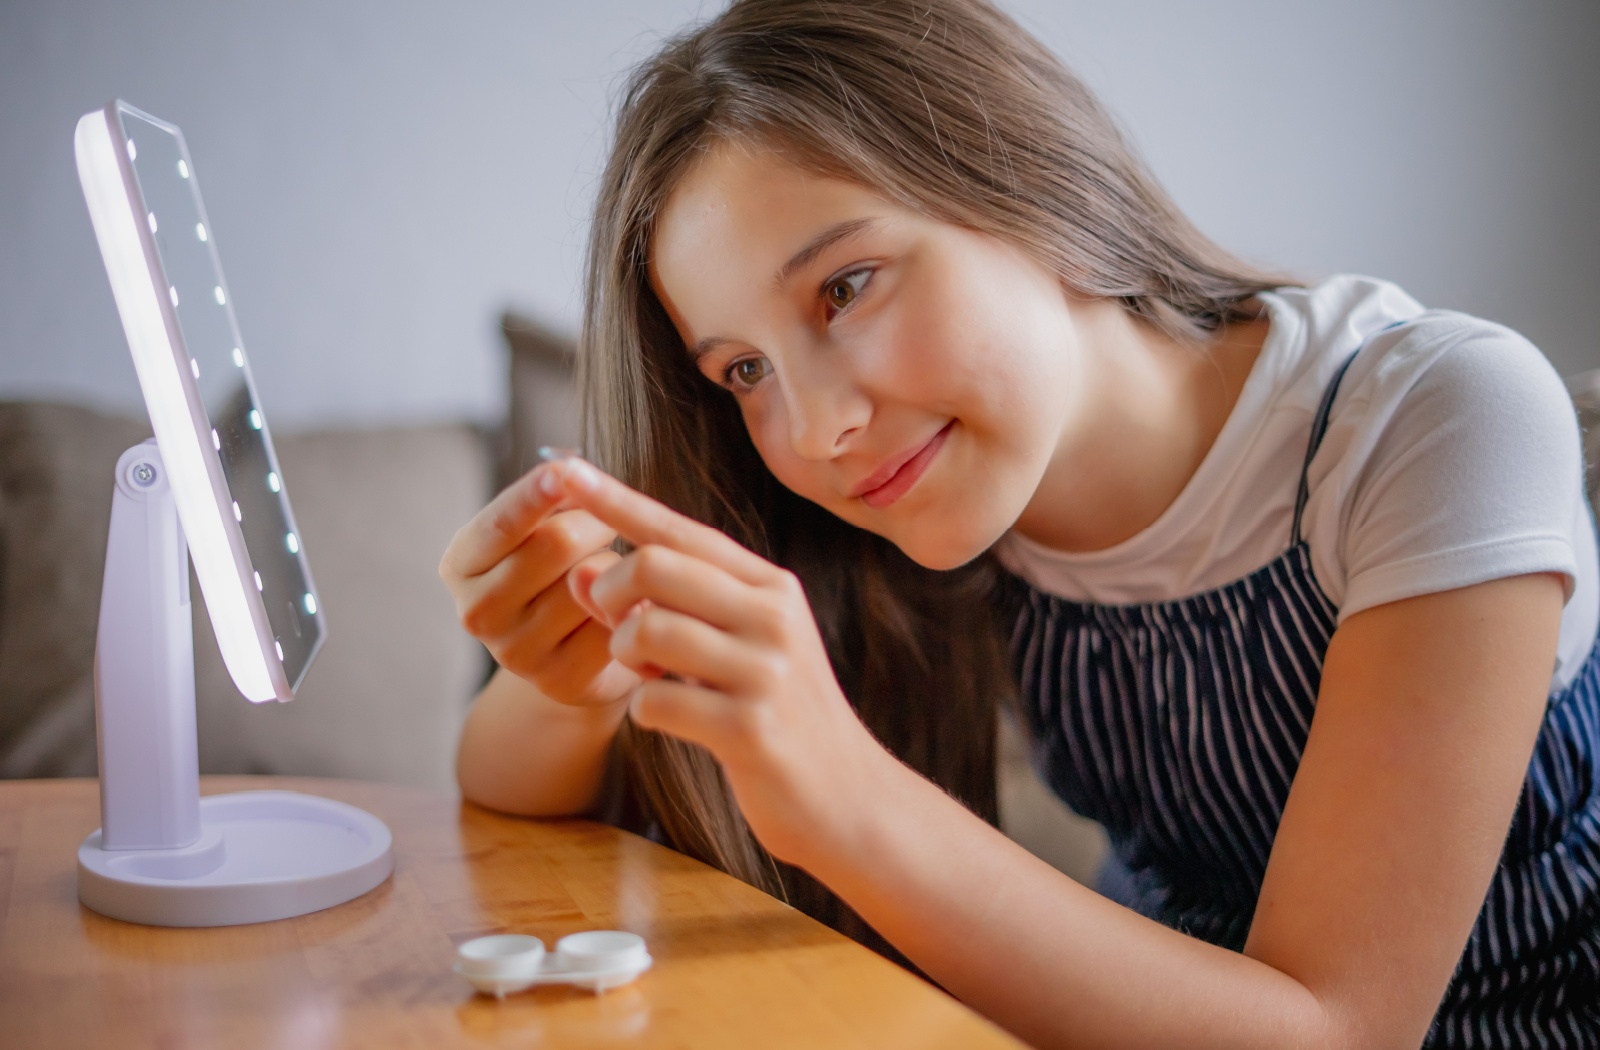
[941,547]
[932,538]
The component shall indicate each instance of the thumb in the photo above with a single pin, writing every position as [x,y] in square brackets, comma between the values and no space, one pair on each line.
[581,577]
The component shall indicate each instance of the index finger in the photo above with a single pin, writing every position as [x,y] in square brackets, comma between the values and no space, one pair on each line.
[501,526]
[643,520]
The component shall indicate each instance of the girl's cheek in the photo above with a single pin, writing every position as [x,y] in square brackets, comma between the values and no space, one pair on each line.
[904,353]
[758,422]
[767,432]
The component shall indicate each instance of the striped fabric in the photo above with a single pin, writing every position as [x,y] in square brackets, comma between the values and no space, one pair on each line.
[1179,726]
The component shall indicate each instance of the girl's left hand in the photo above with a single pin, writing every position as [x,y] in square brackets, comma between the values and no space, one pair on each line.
[731,660]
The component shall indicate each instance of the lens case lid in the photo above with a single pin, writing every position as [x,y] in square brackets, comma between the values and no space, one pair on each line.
[596,950]
[506,957]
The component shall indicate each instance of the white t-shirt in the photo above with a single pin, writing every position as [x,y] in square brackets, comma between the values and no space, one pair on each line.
[1452,457]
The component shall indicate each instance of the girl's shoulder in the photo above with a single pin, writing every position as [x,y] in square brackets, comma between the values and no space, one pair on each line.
[1452,456]
[1402,351]
[1407,376]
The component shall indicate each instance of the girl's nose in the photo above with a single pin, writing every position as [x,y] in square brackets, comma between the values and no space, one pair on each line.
[825,409]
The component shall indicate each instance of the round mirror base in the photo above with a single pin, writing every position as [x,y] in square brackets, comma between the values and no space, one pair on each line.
[261,855]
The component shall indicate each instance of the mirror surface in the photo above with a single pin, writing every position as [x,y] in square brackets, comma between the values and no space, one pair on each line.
[186,246]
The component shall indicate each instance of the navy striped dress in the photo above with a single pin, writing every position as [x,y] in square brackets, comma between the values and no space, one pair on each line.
[1179,726]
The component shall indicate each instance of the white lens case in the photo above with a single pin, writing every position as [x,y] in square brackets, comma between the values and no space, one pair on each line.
[598,960]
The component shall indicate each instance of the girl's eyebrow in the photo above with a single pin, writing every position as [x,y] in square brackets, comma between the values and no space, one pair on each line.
[815,247]
[821,243]
[705,346]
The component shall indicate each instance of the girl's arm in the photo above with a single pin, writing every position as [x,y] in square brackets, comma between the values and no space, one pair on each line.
[1425,722]
[522,752]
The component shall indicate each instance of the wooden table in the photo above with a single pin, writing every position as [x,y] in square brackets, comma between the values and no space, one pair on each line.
[734,967]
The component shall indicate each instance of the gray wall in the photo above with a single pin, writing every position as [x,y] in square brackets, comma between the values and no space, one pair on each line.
[383,178]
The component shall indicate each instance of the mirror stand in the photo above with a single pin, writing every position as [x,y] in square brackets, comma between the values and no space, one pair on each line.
[163,855]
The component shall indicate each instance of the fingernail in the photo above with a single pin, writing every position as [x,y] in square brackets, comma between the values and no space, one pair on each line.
[549,484]
[582,476]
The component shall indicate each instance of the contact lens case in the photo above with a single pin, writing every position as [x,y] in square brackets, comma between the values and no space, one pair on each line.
[598,960]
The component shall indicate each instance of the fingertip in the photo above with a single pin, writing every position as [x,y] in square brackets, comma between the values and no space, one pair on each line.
[581,476]
[547,481]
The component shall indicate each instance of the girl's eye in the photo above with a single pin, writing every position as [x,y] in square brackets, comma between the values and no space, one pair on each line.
[842,291]
[748,372]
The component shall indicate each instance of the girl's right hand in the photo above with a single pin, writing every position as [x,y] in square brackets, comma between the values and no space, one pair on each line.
[508,571]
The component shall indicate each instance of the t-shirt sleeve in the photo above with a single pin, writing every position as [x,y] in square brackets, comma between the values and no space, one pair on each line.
[1474,470]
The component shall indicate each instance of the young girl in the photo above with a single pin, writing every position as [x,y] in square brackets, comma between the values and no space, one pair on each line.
[942,404]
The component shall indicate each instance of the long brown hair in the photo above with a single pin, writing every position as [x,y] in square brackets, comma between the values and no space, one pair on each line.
[947,107]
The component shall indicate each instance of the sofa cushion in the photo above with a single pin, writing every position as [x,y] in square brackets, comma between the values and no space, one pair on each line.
[383,700]
[385,697]
[56,465]
[544,399]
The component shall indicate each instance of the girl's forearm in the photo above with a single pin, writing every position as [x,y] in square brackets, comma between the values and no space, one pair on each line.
[1053,962]
[523,753]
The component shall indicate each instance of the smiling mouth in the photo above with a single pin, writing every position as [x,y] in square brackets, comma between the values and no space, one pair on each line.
[904,475]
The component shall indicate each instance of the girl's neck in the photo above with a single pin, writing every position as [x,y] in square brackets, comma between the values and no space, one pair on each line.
[1150,408]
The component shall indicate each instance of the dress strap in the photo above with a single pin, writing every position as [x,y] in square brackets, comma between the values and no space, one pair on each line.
[1319,428]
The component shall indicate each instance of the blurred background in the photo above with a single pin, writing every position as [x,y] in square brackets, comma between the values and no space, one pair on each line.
[386,180]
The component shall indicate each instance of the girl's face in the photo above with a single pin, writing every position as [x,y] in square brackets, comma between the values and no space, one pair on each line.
[911,376]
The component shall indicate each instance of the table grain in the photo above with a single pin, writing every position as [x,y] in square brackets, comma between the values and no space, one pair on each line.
[734,967]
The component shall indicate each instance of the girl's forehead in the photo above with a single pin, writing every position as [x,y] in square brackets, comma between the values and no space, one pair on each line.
[728,228]
[750,204]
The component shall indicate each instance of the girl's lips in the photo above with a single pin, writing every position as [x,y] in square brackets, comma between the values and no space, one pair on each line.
[906,475]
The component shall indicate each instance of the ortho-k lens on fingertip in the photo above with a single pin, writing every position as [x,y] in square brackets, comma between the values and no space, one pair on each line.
[549,483]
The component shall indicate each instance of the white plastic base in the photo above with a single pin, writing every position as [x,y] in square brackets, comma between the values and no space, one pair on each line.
[262,855]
